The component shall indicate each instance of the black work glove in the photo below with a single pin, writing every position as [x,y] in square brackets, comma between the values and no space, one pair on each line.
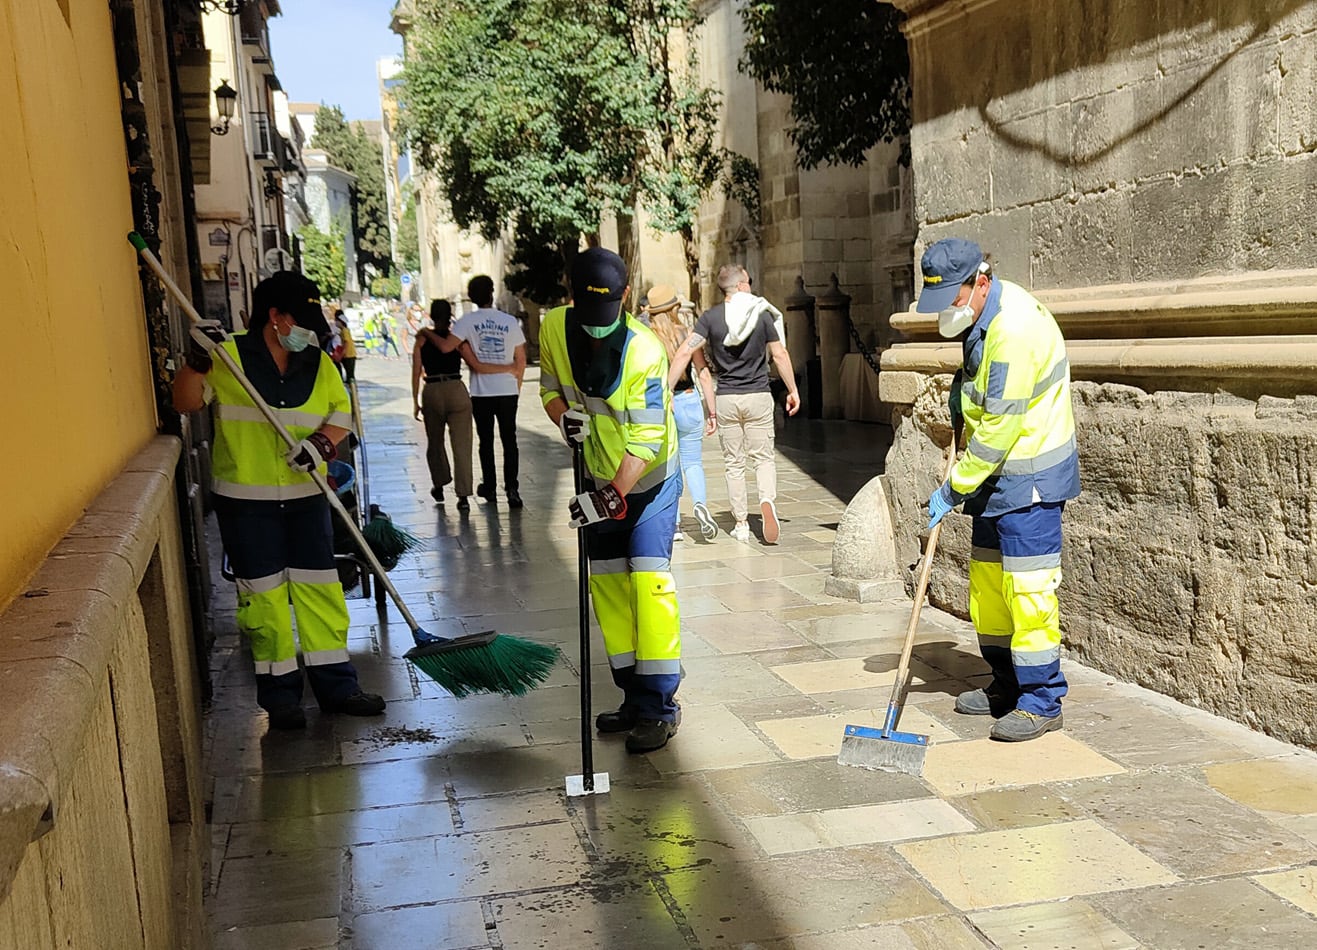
[594,506]
[310,452]
[202,338]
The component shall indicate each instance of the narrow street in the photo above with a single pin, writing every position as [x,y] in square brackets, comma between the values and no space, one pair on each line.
[444,823]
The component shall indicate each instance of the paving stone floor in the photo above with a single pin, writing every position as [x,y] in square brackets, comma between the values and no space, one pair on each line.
[1143,824]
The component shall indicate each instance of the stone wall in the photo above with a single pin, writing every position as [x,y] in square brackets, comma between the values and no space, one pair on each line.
[1118,140]
[102,830]
[1188,562]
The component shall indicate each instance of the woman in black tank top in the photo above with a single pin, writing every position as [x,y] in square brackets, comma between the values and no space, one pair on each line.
[445,403]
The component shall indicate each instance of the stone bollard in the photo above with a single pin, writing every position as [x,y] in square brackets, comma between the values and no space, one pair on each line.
[834,343]
[798,316]
[864,552]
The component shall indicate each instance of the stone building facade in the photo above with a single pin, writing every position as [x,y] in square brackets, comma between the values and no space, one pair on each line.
[1150,172]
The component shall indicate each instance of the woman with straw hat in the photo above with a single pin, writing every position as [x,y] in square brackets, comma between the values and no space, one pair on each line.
[665,319]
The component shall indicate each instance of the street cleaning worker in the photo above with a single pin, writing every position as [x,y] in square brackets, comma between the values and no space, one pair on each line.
[1019,469]
[272,518]
[603,382]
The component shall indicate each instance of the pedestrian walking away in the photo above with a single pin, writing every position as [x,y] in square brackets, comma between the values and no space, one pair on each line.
[1020,467]
[445,404]
[496,340]
[743,333]
[386,335]
[695,417]
[348,359]
[274,522]
[603,383]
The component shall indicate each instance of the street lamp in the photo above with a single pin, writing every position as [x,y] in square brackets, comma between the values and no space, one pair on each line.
[226,97]
[231,7]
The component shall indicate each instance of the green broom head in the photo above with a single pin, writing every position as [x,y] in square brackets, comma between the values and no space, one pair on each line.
[386,539]
[485,663]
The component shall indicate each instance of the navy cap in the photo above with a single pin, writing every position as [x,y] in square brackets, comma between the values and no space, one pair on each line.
[294,294]
[599,282]
[946,266]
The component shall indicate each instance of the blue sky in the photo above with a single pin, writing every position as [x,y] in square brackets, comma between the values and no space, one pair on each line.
[325,51]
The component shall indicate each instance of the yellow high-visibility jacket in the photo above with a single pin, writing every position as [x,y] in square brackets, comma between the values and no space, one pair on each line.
[1018,416]
[248,459]
[630,413]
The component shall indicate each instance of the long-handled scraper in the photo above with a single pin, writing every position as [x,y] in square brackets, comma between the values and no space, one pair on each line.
[885,748]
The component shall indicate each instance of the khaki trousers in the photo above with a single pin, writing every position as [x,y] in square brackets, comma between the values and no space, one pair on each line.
[448,404]
[745,431]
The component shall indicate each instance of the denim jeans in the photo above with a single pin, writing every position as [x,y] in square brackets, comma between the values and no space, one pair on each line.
[688,412]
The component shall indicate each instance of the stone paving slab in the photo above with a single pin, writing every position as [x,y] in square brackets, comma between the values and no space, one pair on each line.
[444,824]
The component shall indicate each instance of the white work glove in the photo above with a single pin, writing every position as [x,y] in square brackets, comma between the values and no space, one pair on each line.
[595,506]
[575,426]
[311,452]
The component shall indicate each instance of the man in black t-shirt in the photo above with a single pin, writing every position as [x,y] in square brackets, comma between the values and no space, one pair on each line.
[743,333]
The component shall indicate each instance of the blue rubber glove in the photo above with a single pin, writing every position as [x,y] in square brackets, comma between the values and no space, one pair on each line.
[939,504]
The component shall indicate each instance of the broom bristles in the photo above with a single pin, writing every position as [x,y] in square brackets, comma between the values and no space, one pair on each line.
[507,665]
[387,540]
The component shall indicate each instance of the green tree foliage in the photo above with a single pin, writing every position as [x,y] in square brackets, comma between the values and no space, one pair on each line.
[351,149]
[845,66]
[409,241]
[388,287]
[551,113]
[537,272]
[323,260]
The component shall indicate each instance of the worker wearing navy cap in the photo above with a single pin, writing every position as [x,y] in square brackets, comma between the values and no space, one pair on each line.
[1019,468]
[603,381]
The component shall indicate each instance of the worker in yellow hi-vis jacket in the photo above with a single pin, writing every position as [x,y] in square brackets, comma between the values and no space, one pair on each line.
[1020,467]
[272,517]
[603,381]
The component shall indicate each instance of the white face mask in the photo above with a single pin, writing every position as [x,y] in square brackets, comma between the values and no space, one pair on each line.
[297,339]
[953,321]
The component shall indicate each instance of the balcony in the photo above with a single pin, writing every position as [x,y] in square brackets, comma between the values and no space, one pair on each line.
[266,142]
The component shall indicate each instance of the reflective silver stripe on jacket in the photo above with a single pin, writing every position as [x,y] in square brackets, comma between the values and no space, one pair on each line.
[1042,462]
[263,492]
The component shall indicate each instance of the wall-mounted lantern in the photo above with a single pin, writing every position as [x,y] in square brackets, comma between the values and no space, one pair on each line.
[226,98]
[231,7]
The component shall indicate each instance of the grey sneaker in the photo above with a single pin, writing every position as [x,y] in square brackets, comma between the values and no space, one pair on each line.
[992,701]
[708,527]
[1020,726]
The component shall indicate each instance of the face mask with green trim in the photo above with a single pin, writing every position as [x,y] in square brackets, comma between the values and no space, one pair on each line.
[600,333]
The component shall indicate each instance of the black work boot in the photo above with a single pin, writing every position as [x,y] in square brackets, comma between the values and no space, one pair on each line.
[620,719]
[650,735]
[359,704]
[486,492]
[514,499]
[996,701]
[287,717]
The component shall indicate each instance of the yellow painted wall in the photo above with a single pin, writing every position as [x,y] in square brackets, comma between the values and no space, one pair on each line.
[75,387]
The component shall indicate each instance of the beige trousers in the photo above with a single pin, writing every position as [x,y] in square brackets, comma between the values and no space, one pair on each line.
[745,430]
[448,404]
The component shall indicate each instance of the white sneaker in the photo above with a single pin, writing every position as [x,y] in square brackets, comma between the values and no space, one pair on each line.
[678,536]
[708,527]
[741,532]
[772,527]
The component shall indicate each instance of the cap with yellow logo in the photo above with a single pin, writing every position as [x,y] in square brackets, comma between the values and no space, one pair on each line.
[946,266]
[599,282]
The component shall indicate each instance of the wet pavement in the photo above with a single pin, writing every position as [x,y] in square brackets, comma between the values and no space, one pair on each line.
[444,824]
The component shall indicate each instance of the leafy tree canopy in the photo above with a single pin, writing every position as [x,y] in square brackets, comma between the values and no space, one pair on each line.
[323,259]
[551,113]
[352,149]
[845,66]
[409,242]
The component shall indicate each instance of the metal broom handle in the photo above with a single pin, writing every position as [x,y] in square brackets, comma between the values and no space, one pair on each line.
[154,263]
